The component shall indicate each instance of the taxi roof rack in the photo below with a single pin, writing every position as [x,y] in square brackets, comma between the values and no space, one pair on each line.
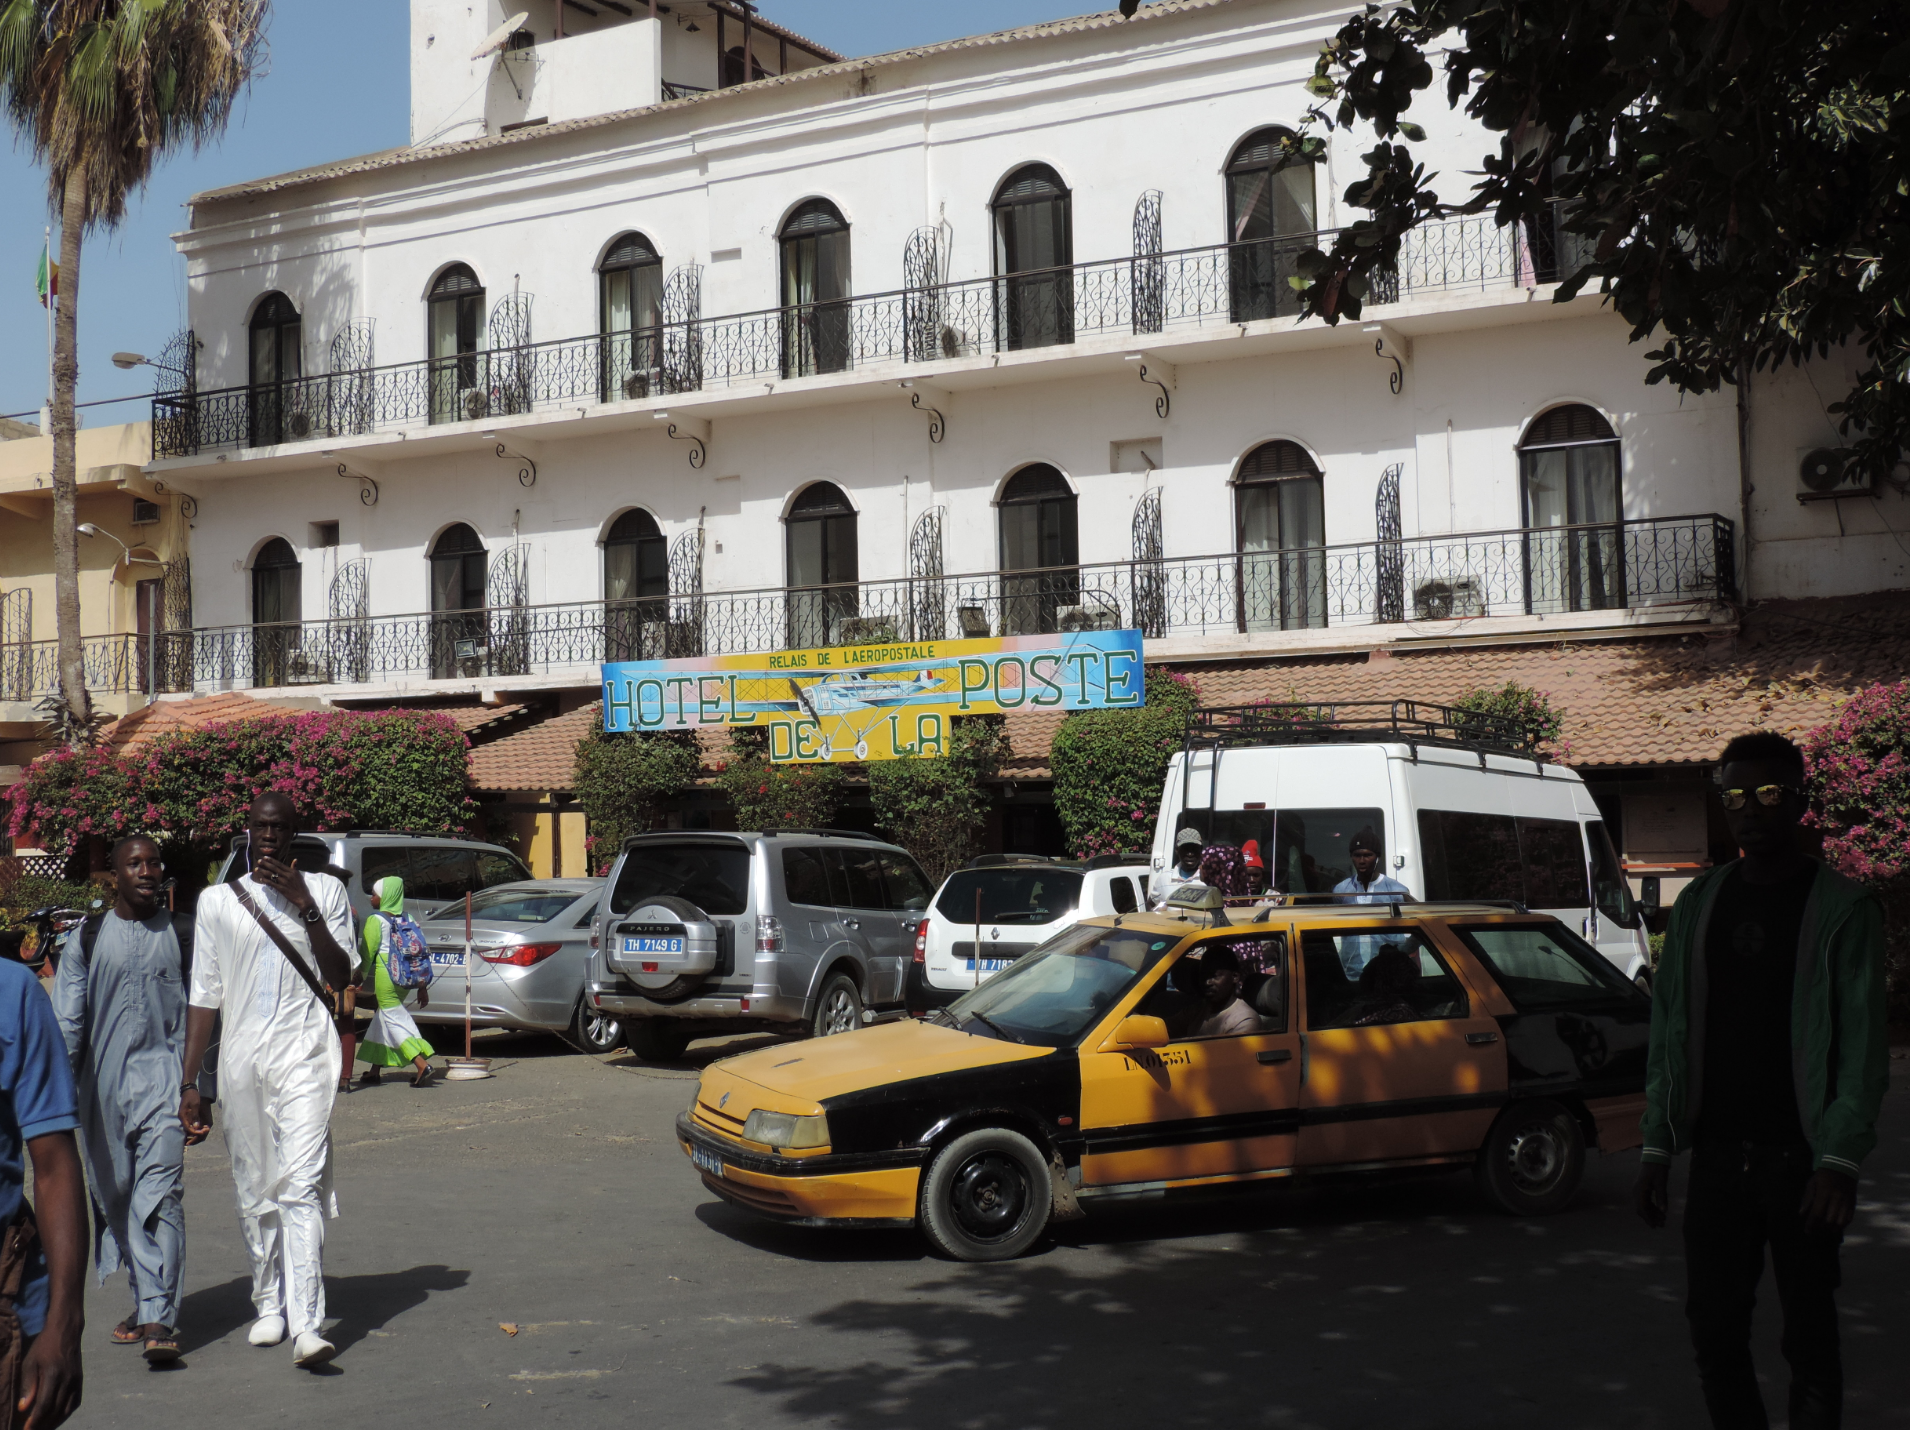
[1393,906]
[1323,722]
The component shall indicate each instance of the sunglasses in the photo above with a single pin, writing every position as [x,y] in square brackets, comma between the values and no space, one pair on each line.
[1767,795]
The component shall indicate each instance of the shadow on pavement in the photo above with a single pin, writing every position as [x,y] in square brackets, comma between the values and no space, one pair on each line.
[1405,1304]
[700,1054]
[359,1303]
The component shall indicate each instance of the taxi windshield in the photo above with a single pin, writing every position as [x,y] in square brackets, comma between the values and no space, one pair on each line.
[1054,993]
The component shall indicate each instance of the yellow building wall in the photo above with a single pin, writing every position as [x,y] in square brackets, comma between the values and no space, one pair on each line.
[533,836]
[108,463]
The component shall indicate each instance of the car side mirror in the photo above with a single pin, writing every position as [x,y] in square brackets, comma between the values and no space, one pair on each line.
[1137,1032]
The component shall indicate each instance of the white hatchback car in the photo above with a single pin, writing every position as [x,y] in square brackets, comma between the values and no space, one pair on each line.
[987,916]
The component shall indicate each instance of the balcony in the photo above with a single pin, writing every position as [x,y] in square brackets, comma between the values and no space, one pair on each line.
[1149,294]
[1634,565]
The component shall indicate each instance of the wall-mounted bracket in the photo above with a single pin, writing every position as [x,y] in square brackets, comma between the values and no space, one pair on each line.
[1390,345]
[527,456]
[369,484]
[189,507]
[681,427]
[1155,371]
[933,402]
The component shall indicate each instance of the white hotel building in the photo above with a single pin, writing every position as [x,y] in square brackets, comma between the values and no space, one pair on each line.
[622,356]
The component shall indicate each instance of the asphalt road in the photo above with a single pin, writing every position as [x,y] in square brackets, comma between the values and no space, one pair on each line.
[552,1198]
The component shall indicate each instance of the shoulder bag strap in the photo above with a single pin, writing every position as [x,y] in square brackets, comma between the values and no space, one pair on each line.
[183,937]
[286,946]
[89,933]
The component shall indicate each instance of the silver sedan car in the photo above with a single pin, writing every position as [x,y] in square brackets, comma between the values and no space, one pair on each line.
[530,945]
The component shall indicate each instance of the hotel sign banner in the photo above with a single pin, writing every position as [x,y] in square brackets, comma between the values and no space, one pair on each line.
[878,701]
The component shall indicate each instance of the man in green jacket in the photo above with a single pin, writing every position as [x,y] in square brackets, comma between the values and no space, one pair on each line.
[1769,1061]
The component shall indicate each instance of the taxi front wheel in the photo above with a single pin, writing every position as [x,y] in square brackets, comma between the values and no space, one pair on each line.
[1533,1159]
[986,1196]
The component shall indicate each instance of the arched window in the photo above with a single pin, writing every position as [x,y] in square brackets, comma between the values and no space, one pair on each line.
[457,585]
[630,318]
[823,565]
[816,276]
[276,612]
[1033,246]
[456,311]
[1570,488]
[273,362]
[1039,550]
[1281,535]
[634,566]
[1270,221]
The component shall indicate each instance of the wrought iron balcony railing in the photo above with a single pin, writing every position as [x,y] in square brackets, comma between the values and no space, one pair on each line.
[112,664]
[1141,295]
[1635,564]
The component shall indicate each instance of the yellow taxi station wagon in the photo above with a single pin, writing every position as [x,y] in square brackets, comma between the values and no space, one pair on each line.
[1139,1055]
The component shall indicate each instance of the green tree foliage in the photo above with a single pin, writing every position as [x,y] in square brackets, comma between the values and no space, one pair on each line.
[935,809]
[766,796]
[626,782]
[1532,710]
[1110,766]
[98,91]
[1740,168]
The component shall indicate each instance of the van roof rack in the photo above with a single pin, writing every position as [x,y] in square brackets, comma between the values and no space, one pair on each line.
[1324,722]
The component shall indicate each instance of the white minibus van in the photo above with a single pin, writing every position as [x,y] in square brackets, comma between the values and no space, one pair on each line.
[1462,809]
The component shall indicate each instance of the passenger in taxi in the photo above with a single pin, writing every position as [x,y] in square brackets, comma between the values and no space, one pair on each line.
[1389,986]
[1220,1010]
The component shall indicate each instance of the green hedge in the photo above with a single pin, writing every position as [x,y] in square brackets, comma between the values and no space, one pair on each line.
[935,809]
[625,783]
[1110,766]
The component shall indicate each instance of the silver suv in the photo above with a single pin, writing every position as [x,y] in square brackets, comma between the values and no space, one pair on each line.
[705,932]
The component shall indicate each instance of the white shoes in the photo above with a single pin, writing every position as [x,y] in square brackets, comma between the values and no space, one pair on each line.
[268,1330]
[310,1349]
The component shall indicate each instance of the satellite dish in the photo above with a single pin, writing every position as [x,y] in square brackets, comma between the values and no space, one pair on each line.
[499,37]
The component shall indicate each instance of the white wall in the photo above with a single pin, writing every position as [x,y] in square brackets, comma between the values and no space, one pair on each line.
[1116,111]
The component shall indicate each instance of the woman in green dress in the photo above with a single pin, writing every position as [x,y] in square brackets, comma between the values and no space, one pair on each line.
[393,1040]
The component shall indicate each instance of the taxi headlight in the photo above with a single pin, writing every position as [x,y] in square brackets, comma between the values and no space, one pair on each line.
[786,1132]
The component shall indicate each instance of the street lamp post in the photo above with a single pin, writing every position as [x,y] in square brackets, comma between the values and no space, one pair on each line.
[129,559]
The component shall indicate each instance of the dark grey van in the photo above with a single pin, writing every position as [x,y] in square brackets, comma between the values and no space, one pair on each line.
[710,931]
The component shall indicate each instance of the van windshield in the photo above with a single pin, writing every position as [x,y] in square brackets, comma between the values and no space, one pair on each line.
[714,877]
[1053,994]
[1014,895]
[1304,851]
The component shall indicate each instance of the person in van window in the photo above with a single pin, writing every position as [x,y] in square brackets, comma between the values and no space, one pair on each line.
[1186,863]
[1220,1010]
[1366,886]
[1768,1059]
[1389,986]
[1256,868]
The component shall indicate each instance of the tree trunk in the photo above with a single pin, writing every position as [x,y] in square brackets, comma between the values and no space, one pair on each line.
[66,543]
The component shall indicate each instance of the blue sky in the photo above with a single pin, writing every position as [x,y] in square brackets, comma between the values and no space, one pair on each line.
[335,85]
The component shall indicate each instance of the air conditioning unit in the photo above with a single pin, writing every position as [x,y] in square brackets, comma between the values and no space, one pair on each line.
[473,403]
[299,425]
[145,512]
[1823,476]
[1452,597]
[864,629]
[302,666]
[1069,619]
[638,385]
[953,343]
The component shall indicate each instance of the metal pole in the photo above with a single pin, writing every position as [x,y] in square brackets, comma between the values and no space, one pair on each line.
[153,640]
[466,964]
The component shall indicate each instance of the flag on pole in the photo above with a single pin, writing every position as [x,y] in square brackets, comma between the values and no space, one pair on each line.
[46,280]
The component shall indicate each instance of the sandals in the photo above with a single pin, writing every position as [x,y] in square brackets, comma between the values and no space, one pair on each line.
[163,1348]
[372,1077]
[127,1332]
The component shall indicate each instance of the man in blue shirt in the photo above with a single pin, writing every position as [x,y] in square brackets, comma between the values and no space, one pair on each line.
[40,1280]
[1366,886]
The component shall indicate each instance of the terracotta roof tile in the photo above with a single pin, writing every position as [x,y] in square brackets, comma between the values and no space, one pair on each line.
[1628,702]
[538,758]
[144,726]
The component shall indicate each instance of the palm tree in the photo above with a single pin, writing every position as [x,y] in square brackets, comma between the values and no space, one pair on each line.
[100,89]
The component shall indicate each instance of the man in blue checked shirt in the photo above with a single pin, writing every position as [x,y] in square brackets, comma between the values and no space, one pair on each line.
[43,1254]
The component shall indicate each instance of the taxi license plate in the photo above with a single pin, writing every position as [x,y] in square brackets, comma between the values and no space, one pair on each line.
[988,965]
[651,944]
[709,1162]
